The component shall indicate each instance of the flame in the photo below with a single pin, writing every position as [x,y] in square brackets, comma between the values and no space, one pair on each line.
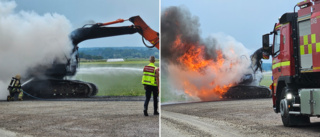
[194,62]
[193,59]
[198,68]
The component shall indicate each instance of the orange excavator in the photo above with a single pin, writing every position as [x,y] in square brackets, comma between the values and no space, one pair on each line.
[51,82]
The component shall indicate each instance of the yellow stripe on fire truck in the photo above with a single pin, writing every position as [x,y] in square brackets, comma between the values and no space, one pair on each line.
[281,64]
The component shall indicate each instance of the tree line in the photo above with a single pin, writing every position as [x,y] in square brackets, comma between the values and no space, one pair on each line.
[117,52]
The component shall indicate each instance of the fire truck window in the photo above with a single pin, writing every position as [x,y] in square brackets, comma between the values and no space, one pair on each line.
[276,46]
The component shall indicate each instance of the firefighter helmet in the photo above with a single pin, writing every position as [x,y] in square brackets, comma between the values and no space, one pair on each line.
[18,76]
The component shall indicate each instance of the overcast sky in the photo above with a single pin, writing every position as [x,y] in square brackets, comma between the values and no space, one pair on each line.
[245,20]
[81,12]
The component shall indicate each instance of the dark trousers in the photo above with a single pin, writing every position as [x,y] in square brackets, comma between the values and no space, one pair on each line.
[154,91]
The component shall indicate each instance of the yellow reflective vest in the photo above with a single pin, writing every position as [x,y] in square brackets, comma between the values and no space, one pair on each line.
[149,75]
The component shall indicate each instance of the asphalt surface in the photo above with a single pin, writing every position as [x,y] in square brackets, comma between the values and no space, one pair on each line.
[70,117]
[95,98]
[254,117]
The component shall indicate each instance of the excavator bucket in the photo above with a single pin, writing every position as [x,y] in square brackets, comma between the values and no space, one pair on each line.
[146,32]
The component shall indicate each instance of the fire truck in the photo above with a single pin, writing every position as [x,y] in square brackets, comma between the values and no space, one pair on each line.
[295,55]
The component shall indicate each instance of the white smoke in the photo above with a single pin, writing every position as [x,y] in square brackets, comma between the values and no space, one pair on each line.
[28,39]
[235,53]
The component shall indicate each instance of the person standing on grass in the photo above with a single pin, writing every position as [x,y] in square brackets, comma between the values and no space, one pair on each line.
[150,80]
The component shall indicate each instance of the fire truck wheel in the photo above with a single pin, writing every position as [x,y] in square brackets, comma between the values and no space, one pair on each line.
[290,120]
[284,108]
[295,120]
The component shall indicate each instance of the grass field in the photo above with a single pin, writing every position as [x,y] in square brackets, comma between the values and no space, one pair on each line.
[114,78]
[266,80]
[124,79]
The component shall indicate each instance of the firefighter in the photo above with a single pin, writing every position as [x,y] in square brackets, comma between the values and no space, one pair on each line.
[256,59]
[15,88]
[258,55]
[150,80]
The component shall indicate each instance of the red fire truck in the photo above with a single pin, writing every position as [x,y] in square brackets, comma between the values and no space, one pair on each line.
[296,63]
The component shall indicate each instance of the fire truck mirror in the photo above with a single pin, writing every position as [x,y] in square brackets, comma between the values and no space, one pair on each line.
[265,41]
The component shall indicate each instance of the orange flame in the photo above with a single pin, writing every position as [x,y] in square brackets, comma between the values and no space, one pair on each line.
[193,59]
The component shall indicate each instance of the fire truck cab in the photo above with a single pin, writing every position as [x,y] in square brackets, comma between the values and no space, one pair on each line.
[295,55]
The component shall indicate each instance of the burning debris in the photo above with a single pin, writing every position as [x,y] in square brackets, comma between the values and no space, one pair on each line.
[202,68]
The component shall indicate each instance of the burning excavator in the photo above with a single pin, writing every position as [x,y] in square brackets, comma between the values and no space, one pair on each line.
[51,83]
[249,86]
[206,69]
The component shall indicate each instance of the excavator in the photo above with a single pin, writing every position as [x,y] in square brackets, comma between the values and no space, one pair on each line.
[51,82]
[249,86]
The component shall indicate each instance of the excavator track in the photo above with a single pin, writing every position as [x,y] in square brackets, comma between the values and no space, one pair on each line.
[56,88]
[244,92]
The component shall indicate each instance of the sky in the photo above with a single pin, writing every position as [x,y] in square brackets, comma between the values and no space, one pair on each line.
[245,20]
[80,12]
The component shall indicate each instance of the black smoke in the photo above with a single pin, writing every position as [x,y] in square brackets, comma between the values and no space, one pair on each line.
[179,21]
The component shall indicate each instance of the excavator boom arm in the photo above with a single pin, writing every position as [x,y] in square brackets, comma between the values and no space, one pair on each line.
[146,32]
[99,30]
[95,31]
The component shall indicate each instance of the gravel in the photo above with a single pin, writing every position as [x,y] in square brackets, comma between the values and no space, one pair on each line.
[254,117]
[77,118]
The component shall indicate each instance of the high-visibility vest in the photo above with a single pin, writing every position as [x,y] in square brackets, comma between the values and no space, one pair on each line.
[149,75]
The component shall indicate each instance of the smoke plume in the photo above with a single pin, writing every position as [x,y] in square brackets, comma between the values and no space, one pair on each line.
[177,21]
[28,40]
[201,68]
